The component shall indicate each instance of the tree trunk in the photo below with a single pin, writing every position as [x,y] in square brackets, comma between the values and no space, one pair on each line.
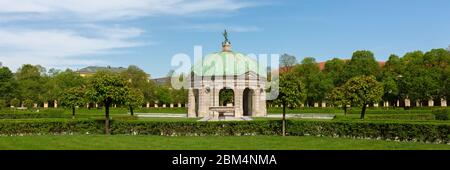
[345,110]
[107,104]
[73,112]
[131,110]
[363,111]
[284,119]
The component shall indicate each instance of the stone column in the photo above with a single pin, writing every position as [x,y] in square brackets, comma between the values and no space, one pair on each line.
[386,104]
[45,104]
[407,103]
[262,104]
[148,105]
[256,101]
[216,97]
[56,104]
[375,105]
[430,103]
[171,105]
[163,105]
[191,103]
[203,103]
[324,104]
[238,111]
[156,105]
[316,104]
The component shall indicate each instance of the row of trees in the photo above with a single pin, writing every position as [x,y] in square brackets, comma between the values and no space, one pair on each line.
[362,80]
[34,85]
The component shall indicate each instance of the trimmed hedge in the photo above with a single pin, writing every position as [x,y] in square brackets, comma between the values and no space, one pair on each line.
[51,126]
[423,132]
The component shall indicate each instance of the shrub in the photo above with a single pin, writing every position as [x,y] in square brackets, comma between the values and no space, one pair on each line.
[2,103]
[28,103]
[15,102]
[28,114]
[401,131]
[440,114]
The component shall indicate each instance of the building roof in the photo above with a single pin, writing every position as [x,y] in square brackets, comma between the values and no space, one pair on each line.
[227,63]
[94,69]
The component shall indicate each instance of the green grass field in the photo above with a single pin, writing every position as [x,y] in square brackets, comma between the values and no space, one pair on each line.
[121,142]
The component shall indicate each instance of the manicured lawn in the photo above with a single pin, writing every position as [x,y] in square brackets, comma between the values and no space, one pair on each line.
[119,142]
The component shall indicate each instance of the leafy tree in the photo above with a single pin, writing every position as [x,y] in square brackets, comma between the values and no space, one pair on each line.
[28,103]
[138,79]
[107,88]
[60,81]
[31,82]
[7,84]
[180,96]
[2,103]
[316,84]
[15,102]
[420,81]
[134,98]
[364,90]
[72,98]
[163,94]
[291,93]
[437,62]
[340,97]
[392,72]
[362,63]
[287,61]
[333,70]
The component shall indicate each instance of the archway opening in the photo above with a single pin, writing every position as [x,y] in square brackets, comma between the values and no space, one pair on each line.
[226,97]
[248,102]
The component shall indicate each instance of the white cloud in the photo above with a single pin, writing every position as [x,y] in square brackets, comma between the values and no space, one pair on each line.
[117,9]
[70,30]
[61,47]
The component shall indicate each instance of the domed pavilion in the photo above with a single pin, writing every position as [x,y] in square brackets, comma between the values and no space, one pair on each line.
[227,84]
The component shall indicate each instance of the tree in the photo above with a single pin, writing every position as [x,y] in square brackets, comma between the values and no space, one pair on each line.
[72,98]
[138,79]
[28,103]
[7,84]
[339,97]
[107,88]
[163,94]
[362,63]
[2,103]
[291,93]
[31,82]
[334,69]
[392,72]
[59,82]
[15,102]
[287,61]
[421,80]
[316,84]
[364,90]
[134,98]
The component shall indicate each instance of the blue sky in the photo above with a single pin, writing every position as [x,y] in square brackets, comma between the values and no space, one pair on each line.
[147,33]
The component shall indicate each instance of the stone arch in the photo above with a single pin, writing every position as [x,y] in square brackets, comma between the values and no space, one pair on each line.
[248,102]
[226,96]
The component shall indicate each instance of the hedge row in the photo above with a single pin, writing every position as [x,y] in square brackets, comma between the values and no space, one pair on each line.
[50,126]
[424,132]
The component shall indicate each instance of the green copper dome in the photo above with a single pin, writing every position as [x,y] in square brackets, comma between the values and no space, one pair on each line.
[227,63]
